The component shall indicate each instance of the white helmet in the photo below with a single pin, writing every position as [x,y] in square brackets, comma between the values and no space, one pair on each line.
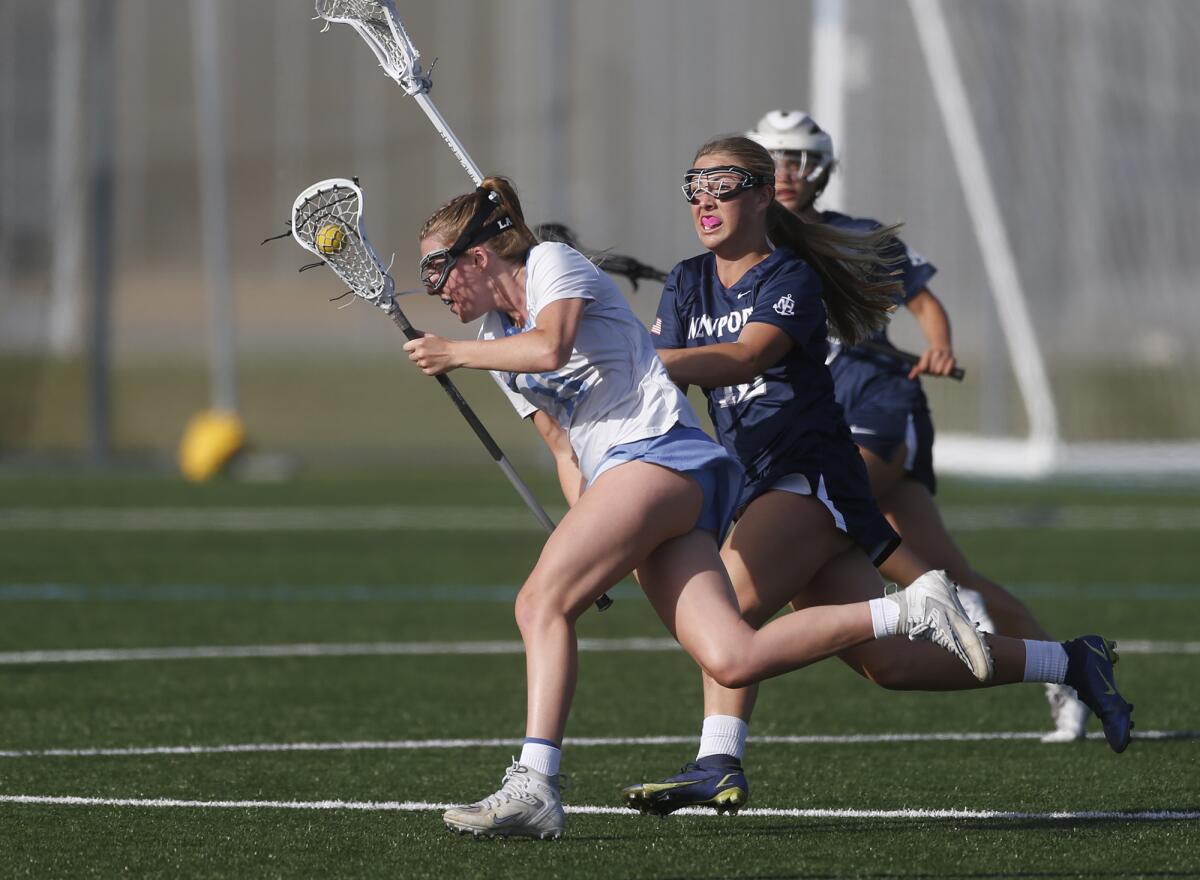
[792,131]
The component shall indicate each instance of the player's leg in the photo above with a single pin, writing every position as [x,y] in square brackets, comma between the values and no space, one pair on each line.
[762,553]
[767,572]
[623,516]
[913,512]
[896,664]
[911,509]
[900,465]
[764,569]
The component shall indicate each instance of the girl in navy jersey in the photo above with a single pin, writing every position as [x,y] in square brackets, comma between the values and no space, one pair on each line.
[648,489]
[748,322]
[886,409]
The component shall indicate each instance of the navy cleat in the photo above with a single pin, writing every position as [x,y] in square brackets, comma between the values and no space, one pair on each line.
[716,781]
[1090,661]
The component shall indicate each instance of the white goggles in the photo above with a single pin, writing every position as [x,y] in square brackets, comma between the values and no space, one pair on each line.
[722,182]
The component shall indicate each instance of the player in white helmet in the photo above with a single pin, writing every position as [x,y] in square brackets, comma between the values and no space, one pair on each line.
[803,153]
[887,410]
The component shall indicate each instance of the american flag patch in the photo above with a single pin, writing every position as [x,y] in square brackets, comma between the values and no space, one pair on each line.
[656,327]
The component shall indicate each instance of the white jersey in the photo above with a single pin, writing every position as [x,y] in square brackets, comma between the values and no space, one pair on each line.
[614,388]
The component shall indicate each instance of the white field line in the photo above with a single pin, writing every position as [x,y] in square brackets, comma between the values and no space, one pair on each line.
[409,649]
[570,742]
[423,806]
[352,649]
[508,518]
[465,593]
[271,519]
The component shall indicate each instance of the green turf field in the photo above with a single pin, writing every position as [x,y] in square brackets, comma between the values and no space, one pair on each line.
[344,615]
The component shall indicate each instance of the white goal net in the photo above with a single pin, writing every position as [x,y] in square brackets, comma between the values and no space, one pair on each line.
[1044,158]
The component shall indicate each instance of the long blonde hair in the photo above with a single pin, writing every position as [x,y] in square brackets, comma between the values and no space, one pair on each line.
[450,220]
[856,268]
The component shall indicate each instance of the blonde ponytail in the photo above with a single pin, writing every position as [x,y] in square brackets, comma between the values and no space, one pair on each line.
[450,220]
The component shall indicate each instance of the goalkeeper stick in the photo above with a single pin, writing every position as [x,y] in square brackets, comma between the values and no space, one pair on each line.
[906,357]
[327,221]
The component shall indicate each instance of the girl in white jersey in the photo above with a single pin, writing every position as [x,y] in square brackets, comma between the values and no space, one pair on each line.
[648,490]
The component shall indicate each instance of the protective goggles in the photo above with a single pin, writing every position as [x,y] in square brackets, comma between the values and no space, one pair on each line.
[722,182]
[801,164]
[436,265]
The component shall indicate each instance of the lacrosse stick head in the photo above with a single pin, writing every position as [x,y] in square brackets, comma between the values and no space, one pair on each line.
[327,221]
[378,23]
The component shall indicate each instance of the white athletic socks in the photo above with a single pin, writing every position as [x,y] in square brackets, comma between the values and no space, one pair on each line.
[723,735]
[541,755]
[1045,661]
[885,616]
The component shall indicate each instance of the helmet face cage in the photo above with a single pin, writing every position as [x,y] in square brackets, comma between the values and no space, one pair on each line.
[800,147]
[806,165]
[722,182]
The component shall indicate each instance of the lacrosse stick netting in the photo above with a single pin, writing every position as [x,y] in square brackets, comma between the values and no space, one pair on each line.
[327,221]
[378,23]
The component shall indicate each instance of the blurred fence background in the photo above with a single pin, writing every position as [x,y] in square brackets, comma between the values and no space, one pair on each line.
[1087,112]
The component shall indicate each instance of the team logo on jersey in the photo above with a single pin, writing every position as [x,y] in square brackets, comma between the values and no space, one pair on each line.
[656,327]
[785,305]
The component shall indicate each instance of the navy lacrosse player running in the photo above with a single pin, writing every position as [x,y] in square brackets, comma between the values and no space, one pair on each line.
[887,412]
[649,490]
[748,322]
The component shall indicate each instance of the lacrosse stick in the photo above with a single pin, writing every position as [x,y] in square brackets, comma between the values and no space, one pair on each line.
[614,264]
[327,221]
[377,22]
[906,357]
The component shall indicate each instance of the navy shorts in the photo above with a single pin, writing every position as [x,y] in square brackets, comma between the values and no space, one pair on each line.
[886,410]
[829,468]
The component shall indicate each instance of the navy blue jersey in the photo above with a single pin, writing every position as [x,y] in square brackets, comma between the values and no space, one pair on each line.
[764,422]
[915,272]
[884,407]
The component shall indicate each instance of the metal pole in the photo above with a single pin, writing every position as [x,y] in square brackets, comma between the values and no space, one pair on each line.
[68,201]
[999,260]
[214,201]
[556,80]
[829,83]
[103,25]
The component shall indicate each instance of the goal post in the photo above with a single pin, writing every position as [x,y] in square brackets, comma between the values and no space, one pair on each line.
[1037,154]
[1036,454]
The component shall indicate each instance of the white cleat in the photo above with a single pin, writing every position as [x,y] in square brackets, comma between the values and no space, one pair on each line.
[528,804]
[972,602]
[1069,713]
[930,611]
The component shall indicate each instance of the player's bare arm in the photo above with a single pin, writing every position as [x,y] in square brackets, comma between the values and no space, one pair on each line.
[938,357]
[758,348]
[544,348]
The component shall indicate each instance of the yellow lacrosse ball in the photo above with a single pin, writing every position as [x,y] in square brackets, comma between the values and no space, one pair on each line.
[331,238]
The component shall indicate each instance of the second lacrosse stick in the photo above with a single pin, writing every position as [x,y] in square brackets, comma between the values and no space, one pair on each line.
[378,23]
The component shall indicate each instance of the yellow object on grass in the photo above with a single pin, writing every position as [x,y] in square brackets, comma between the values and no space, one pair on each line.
[210,440]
